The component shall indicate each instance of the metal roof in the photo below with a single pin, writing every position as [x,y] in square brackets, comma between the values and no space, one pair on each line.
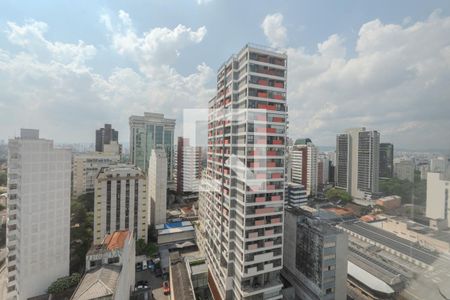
[368,279]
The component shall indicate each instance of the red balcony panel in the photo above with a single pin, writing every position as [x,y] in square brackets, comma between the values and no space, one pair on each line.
[278,97]
[277,142]
[276,198]
[262,95]
[271,164]
[277,119]
[260,222]
[271,107]
[271,130]
[263,82]
[276,175]
[275,221]
[279,85]
[271,152]
[260,199]
[270,187]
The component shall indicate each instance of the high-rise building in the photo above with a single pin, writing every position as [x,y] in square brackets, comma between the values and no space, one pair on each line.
[149,132]
[85,167]
[386,160]
[105,136]
[357,162]
[315,256]
[244,200]
[189,166]
[404,170]
[438,202]
[38,231]
[440,165]
[120,201]
[157,187]
[304,165]
[323,171]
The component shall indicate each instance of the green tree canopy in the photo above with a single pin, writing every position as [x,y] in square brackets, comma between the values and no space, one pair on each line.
[338,194]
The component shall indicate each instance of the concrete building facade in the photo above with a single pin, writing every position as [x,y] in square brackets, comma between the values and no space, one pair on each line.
[244,200]
[157,187]
[189,166]
[438,204]
[120,202]
[38,227]
[315,256]
[85,168]
[386,160]
[105,136]
[149,132]
[404,170]
[304,165]
[357,162]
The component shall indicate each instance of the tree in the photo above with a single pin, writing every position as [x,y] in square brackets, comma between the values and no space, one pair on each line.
[410,192]
[142,248]
[3,178]
[338,194]
[64,283]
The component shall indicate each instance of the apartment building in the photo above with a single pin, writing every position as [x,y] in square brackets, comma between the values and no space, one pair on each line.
[243,188]
[304,168]
[105,136]
[315,256]
[189,166]
[149,132]
[157,187]
[386,160]
[357,162]
[296,195]
[38,227]
[438,203]
[405,170]
[120,201]
[85,167]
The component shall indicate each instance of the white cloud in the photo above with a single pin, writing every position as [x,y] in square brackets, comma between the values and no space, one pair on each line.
[274,30]
[396,83]
[157,47]
[49,85]
[201,2]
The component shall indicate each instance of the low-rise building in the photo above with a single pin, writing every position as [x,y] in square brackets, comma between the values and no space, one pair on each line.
[418,233]
[110,269]
[296,195]
[389,202]
[175,232]
[314,256]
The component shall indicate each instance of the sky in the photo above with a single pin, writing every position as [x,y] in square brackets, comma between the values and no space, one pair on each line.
[68,67]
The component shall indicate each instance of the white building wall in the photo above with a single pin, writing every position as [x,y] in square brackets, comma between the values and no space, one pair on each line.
[85,168]
[157,187]
[38,234]
[115,174]
[438,189]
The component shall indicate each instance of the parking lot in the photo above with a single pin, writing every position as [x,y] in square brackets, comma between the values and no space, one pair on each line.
[154,282]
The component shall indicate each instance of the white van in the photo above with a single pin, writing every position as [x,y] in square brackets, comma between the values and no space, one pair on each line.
[144,265]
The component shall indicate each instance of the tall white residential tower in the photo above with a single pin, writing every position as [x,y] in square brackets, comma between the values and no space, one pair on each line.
[244,193]
[38,232]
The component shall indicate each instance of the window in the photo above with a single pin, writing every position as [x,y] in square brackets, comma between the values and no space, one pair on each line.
[329,291]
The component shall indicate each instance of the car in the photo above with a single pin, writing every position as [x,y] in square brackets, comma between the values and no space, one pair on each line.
[138,267]
[166,287]
[144,265]
[158,272]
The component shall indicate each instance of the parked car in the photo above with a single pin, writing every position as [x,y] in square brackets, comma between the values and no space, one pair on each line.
[166,287]
[144,265]
[138,267]
[158,272]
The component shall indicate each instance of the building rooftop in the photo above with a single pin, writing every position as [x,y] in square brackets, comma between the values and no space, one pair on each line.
[180,276]
[111,242]
[392,241]
[368,279]
[98,283]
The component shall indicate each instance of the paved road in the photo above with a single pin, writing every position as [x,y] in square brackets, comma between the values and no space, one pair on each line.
[154,282]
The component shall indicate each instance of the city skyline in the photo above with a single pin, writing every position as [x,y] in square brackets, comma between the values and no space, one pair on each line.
[166,66]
